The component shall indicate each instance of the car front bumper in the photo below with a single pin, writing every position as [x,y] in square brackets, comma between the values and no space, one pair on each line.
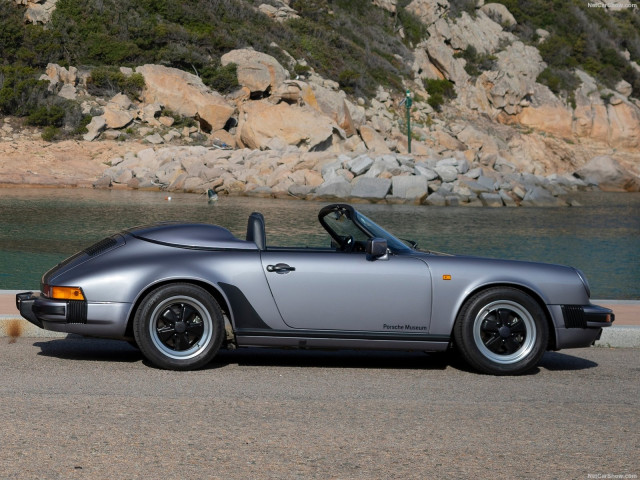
[580,325]
[104,319]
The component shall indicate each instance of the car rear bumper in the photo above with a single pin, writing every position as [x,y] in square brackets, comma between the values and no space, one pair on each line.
[104,319]
[24,304]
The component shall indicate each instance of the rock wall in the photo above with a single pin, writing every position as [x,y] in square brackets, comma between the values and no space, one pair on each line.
[502,120]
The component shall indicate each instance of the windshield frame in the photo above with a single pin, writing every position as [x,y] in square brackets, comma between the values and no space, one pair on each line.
[359,224]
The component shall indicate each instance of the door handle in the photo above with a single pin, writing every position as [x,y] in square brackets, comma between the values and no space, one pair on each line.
[280,268]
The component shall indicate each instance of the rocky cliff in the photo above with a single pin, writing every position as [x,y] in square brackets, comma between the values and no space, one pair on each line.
[502,124]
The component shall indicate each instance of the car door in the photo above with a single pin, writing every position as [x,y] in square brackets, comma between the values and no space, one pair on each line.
[350,291]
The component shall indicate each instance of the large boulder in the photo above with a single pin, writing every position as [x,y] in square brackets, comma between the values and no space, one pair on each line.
[388,5]
[56,73]
[373,140]
[499,13]
[280,13]
[371,188]
[546,112]
[95,128]
[305,127]
[428,11]
[116,118]
[441,57]
[514,79]
[335,105]
[609,175]
[185,94]
[256,71]
[38,11]
[480,32]
[616,122]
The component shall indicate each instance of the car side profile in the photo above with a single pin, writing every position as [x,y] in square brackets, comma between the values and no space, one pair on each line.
[181,292]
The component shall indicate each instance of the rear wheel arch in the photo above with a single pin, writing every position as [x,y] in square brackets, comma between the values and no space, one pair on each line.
[179,326]
[212,290]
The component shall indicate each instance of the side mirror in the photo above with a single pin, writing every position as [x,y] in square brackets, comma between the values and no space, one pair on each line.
[376,247]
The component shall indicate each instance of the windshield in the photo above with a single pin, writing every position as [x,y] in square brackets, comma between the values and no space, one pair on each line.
[346,225]
[395,244]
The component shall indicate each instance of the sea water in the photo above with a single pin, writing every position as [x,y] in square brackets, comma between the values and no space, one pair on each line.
[40,227]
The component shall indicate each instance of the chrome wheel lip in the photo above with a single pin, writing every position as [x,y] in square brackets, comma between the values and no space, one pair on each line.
[200,344]
[520,312]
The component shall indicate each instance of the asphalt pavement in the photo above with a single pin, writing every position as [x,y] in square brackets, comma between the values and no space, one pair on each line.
[77,408]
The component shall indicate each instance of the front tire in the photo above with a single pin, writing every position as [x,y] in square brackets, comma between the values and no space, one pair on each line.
[179,327]
[501,331]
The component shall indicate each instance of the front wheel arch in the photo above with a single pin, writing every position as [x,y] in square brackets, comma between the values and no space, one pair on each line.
[501,330]
[532,293]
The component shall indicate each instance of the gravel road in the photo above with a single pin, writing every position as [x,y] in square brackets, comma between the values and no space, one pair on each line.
[76,408]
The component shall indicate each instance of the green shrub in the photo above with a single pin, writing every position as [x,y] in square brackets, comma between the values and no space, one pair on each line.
[50,133]
[20,90]
[178,120]
[439,91]
[219,78]
[108,81]
[348,80]
[45,116]
[414,29]
[81,126]
[476,63]
[456,7]
[558,79]
[300,69]
[588,38]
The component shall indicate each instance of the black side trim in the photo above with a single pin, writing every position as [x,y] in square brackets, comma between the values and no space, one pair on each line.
[188,247]
[359,335]
[244,314]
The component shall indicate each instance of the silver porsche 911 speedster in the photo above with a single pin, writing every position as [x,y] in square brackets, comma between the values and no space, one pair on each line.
[181,292]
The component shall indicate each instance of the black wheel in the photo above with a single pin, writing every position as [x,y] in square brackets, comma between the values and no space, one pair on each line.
[179,327]
[501,331]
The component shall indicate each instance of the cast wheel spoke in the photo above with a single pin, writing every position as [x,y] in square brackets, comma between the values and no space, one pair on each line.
[511,345]
[490,324]
[494,342]
[517,326]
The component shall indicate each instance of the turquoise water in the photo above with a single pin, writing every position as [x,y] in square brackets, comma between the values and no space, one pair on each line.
[40,227]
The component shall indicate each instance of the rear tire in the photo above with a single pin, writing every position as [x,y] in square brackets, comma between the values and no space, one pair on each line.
[501,331]
[179,327]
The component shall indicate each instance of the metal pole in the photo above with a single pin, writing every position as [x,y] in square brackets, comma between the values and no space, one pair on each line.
[407,104]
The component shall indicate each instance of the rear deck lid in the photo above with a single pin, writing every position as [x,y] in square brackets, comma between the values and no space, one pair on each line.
[191,235]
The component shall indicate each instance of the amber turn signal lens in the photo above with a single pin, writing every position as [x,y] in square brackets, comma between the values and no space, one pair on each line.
[67,293]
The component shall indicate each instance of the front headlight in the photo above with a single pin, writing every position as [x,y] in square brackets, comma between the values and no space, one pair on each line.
[585,282]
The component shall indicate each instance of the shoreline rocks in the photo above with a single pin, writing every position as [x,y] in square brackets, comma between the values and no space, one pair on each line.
[369,177]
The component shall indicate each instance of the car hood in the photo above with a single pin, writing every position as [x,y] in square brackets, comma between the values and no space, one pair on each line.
[191,235]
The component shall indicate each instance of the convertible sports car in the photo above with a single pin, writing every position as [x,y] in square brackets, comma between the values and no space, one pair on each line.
[180,292]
